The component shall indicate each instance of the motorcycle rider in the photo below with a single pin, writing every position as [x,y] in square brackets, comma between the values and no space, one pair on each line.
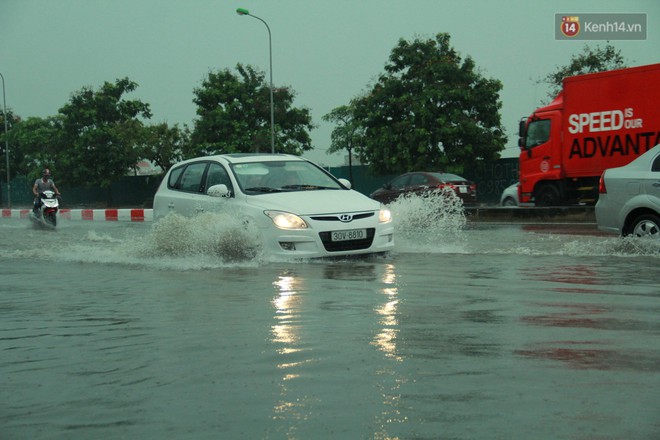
[41,185]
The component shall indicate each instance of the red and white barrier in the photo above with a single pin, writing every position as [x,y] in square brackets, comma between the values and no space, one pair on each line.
[111,215]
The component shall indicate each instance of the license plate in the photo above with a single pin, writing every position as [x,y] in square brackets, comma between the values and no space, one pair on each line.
[462,189]
[352,234]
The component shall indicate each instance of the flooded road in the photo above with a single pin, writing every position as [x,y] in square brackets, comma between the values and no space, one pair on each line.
[466,331]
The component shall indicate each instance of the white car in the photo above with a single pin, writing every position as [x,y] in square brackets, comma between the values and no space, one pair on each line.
[509,196]
[629,200]
[298,209]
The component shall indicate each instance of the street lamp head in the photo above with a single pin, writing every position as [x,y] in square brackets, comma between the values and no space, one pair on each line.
[242,11]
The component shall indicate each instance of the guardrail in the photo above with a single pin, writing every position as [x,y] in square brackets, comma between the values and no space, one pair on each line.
[125,215]
[569,214]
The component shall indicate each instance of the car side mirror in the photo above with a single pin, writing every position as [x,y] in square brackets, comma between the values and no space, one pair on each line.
[345,182]
[220,190]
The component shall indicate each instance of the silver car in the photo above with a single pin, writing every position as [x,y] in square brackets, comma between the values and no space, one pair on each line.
[509,196]
[629,200]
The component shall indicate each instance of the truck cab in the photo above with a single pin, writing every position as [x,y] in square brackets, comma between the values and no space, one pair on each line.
[541,171]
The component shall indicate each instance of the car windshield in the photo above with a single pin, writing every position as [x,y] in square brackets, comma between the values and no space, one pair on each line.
[446,177]
[279,176]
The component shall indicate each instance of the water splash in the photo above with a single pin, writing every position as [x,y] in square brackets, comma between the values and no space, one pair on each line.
[219,235]
[432,222]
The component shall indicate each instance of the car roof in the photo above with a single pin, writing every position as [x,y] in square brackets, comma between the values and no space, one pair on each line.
[236,158]
[258,157]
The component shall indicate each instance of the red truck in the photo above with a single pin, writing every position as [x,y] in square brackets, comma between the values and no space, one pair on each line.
[598,121]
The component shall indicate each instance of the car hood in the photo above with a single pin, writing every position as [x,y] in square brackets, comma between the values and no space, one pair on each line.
[315,202]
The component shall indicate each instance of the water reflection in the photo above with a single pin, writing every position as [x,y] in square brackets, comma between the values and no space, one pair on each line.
[347,272]
[594,355]
[590,353]
[286,337]
[386,338]
[285,301]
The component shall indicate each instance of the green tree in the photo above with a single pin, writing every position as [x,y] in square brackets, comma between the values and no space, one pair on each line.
[14,156]
[346,135]
[35,143]
[102,134]
[430,110]
[165,145]
[234,116]
[588,61]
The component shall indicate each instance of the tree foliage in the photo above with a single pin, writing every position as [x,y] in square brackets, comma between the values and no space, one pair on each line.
[165,145]
[7,142]
[347,134]
[588,61]
[430,110]
[234,115]
[35,143]
[101,134]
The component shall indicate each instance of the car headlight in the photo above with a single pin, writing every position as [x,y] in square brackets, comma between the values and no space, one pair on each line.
[286,220]
[385,215]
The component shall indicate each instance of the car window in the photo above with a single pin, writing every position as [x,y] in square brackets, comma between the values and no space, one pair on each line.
[217,175]
[400,182]
[174,177]
[446,177]
[419,180]
[261,177]
[538,133]
[656,164]
[191,179]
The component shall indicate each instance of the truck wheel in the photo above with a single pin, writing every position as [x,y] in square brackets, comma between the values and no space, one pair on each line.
[646,225]
[547,195]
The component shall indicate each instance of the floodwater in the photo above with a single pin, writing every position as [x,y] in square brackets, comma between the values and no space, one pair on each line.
[466,331]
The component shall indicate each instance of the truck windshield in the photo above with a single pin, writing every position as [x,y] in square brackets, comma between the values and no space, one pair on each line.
[538,132]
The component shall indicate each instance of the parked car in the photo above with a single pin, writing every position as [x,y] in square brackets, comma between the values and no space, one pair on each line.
[299,209]
[424,182]
[629,199]
[509,196]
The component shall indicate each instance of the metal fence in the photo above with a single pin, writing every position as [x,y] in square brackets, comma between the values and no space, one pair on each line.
[138,191]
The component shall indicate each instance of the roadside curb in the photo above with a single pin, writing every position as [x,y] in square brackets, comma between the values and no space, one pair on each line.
[112,215]
[568,214]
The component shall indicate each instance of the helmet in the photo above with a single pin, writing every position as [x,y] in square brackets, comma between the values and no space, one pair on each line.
[45,172]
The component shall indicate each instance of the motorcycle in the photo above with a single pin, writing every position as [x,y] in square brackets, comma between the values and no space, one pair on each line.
[46,214]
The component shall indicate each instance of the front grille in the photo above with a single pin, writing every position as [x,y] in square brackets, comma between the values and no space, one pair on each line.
[335,218]
[350,245]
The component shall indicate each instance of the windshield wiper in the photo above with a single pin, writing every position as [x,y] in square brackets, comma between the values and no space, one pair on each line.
[306,187]
[263,189]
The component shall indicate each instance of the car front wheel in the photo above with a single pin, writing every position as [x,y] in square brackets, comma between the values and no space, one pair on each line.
[509,201]
[646,225]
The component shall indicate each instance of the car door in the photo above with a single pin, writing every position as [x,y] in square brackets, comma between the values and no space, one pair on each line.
[216,174]
[652,183]
[186,195]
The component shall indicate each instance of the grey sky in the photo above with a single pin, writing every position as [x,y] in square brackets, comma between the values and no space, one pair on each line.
[327,51]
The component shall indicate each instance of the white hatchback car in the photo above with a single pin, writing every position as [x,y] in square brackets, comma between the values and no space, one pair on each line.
[629,199]
[299,209]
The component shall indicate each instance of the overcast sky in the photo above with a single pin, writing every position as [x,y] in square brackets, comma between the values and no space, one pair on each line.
[328,51]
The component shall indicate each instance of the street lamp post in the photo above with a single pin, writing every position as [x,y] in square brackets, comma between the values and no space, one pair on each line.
[241,11]
[4,107]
